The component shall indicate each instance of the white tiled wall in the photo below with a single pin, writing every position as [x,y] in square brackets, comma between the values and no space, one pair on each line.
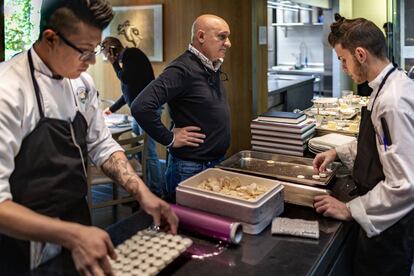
[290,38]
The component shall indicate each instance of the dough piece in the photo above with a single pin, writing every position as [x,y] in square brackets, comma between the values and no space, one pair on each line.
[180,247]
[144,266]
[158,263]
[168,237]
[300,176]
[133,255]
[138,272]
[150,260]
[152,270]
[127,268]
[163,242]
[167,258]
[151,251]
[174,253]
[130,243]
[323,174]
[187,242]
[316,176]
[143,256]
[155,239]
[117,266]
[136,263]
[156,246]
[177,238]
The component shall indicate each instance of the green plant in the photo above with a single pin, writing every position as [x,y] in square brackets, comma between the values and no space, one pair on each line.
[18,25]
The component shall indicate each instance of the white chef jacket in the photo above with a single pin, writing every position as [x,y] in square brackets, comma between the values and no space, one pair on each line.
[392,198]
[19,112]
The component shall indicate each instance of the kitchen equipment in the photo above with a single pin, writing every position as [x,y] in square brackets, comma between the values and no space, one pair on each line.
[209,225]
[254,214]
[282,167]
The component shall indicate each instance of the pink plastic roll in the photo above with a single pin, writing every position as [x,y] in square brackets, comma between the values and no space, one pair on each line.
[208,225]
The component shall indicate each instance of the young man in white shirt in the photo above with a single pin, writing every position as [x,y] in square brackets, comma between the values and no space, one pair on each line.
[381,159]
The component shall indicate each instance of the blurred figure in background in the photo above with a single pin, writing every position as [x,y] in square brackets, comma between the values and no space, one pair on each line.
[135,74]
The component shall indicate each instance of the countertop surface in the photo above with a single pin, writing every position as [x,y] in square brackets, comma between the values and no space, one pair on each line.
[280,82]
[262,254]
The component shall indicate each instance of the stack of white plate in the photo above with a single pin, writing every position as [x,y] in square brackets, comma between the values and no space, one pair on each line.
[328,141]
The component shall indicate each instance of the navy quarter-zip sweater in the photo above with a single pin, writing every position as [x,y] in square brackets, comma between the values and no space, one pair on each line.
[195,97]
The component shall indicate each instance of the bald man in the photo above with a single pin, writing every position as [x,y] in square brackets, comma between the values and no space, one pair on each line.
[192,85]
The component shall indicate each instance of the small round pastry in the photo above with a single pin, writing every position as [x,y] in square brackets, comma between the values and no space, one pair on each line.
[156,246]
[174,253]
[300,176]
[163,242]
[117,266]
[180,247]
[152,270]
[127,268]
[143,256]
[187,242]
[133,255]
[316,176]
[159,263]
[323,174]
[168,237]
[155,239]
[177,238]
[167,258]
[144,266]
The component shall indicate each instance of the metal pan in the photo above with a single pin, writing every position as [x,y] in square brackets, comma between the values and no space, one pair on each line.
[282,167]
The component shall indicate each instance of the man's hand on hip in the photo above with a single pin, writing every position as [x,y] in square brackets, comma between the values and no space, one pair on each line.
[188,136]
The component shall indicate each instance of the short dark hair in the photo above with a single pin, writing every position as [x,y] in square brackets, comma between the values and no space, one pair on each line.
[64,14]
[113,41]
[359,32]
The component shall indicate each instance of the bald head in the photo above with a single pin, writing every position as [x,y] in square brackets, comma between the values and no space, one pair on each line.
[210,35]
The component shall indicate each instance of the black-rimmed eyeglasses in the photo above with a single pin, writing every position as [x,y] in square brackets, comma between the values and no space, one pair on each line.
[84,55]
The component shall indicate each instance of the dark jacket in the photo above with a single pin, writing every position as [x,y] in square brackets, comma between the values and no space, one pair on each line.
[195,97]
[136,73]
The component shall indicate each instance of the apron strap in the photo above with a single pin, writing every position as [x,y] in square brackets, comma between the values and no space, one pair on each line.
[35,85]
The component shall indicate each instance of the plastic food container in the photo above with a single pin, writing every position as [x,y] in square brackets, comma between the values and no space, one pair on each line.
[252,212]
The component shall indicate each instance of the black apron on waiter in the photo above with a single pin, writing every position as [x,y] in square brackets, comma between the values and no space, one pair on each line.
[49,177]
[391,252]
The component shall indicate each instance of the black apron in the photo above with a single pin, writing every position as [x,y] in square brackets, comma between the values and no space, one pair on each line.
[391,252]
[49,178]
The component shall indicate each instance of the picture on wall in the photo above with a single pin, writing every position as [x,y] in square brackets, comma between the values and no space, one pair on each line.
[140,27]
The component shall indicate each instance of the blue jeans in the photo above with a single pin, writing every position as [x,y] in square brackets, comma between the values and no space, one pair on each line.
[155,177]
[179,170]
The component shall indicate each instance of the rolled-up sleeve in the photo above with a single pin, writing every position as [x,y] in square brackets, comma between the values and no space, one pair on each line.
[347,154]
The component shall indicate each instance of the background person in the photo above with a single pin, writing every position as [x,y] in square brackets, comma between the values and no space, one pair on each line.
[135,74]
[50,124]
[381,160]
[193,88]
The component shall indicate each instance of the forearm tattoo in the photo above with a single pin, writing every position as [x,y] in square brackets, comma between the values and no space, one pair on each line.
[118,169]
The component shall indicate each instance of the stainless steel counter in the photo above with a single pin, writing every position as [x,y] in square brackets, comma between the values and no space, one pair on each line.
[290,91]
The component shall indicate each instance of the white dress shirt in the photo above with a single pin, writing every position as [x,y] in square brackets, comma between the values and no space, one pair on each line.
[392,198]
[19,112]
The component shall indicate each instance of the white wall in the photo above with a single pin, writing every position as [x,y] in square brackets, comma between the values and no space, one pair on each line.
[312,36]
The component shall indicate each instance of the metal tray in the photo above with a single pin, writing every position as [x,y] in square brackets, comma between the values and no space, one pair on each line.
[282,167]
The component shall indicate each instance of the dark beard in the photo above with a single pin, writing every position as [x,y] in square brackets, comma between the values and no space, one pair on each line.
[360,71]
